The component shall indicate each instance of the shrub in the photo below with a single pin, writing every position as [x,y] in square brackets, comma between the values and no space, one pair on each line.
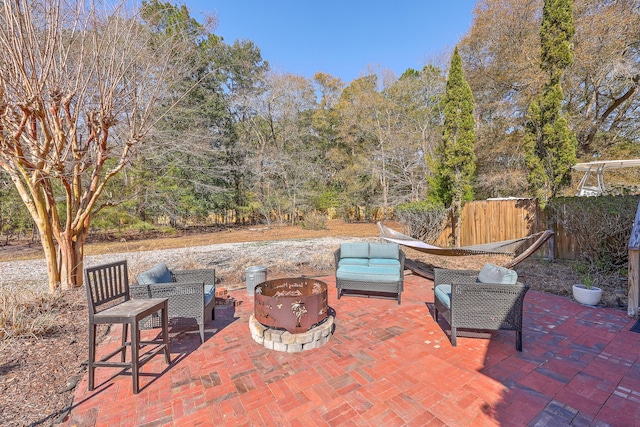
[314,221]
[326,200]
[424,219]
[27,312]
[601,227]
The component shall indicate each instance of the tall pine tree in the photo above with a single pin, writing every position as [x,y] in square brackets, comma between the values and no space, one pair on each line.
[549,143]
[455,166]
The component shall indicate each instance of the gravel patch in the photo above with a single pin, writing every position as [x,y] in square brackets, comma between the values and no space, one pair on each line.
[229,259]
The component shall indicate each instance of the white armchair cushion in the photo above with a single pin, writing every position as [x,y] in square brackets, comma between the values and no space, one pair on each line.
[494,274]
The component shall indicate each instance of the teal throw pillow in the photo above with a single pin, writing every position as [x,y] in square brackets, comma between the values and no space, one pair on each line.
[159,273]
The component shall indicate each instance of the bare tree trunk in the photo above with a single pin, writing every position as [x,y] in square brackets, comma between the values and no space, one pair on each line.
[64,260]
[50,255]
[71,259]
[293,210]
[385,187]
[35,201]
[457,215]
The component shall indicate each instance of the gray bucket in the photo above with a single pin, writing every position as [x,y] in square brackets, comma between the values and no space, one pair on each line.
[255,275]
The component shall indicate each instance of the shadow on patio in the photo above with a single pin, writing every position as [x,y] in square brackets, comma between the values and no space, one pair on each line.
[387,364]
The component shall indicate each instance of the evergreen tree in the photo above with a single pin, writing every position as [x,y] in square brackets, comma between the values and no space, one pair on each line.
[549,143]
[455,165]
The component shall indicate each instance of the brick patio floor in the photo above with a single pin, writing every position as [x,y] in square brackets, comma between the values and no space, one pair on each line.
[386,365]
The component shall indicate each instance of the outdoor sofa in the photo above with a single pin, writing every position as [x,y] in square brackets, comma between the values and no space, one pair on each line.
[369,268]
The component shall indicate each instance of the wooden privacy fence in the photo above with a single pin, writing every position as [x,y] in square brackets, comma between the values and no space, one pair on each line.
[494,220]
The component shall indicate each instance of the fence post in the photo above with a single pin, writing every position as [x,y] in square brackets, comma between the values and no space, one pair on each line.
[634,267]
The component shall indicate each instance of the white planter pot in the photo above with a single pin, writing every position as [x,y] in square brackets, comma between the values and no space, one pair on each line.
[587,296]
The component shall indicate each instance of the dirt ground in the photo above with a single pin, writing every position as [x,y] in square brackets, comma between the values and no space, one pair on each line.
[38,375]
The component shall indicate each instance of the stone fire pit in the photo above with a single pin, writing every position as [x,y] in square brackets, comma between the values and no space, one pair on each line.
[291,314]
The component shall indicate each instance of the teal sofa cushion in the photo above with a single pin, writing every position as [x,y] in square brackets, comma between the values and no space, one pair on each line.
[353,261]
[354,250]
[363,273]
[494,274]
[384,262]
[443,293]
[384,250]
[159,273]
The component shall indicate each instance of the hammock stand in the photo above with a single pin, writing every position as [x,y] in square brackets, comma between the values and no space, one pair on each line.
[506,247]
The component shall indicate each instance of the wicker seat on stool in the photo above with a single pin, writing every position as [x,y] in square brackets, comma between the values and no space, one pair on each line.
[109,303]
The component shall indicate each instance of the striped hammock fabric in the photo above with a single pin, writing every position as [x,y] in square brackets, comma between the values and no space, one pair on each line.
[504,247]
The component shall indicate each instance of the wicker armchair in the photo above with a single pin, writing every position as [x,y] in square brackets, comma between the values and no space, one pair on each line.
[191,294]
[467,304]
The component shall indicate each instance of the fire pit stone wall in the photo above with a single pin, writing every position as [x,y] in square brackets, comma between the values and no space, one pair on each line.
[280,340]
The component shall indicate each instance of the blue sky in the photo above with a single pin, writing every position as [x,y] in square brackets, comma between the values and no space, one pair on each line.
[342,37]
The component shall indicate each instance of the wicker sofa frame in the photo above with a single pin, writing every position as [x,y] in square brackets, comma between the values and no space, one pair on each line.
[364,286]
[186,297]
[480,306]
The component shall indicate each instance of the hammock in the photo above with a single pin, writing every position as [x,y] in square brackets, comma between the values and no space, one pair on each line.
[506,247]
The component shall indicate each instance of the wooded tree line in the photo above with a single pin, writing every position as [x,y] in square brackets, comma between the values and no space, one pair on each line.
[271,144]
[229,134]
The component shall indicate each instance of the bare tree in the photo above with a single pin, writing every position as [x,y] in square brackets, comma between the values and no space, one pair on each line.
[602,88]
[415,100]
[501,59]
[79,85]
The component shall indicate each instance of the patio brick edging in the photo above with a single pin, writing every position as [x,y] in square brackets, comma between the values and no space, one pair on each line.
[275,339]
